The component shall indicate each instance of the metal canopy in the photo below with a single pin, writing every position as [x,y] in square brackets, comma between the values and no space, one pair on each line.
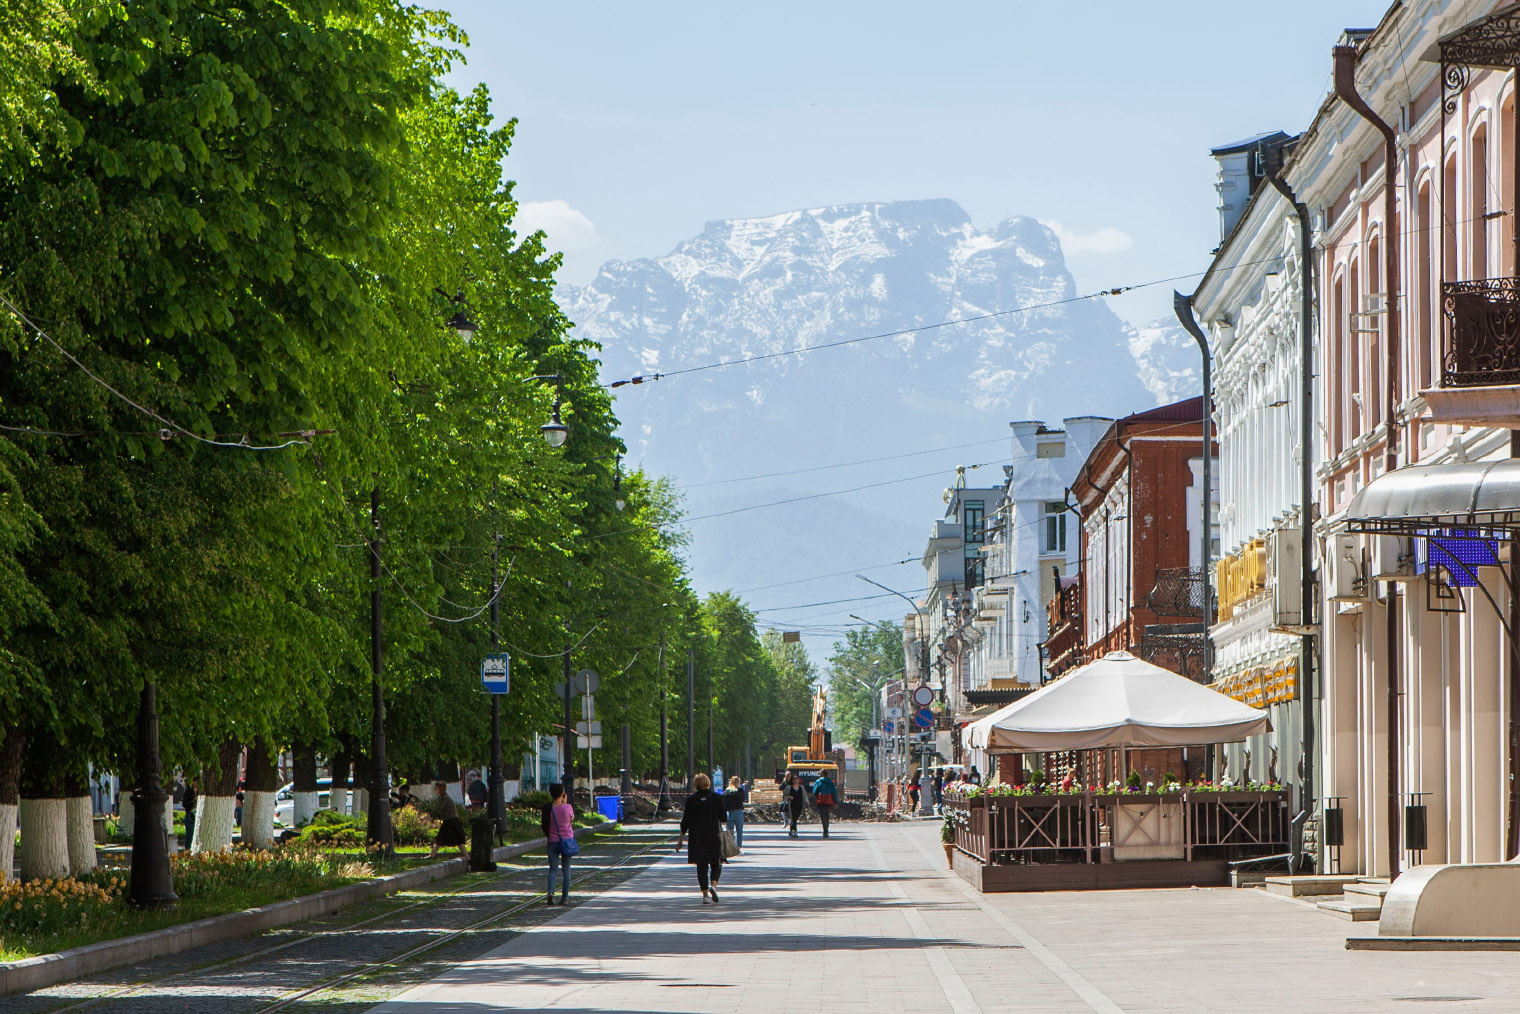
[1492,41]
[1422,500]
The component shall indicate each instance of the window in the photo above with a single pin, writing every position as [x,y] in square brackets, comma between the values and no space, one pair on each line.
[972,514]
[1054,540]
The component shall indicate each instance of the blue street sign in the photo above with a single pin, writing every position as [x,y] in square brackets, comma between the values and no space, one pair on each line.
[495,674]
[888,728]
[923,718]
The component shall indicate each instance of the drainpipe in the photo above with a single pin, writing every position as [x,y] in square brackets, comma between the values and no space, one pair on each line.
[1306,485]
[1344,58]
[1183,306]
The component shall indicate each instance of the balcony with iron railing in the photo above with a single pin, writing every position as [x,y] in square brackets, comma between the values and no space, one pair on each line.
[1480,341]
[1480,354]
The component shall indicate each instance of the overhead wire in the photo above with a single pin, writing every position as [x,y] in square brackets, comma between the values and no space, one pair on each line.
[1117,290]
[842,464]
[169,424]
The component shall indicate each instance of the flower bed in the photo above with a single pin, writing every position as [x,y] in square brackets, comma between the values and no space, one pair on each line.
[43,916]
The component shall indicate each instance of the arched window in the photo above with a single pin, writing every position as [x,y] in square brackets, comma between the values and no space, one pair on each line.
[1351,382]
[1478,206]
[1424,295]
[1335,383]
[1372,328]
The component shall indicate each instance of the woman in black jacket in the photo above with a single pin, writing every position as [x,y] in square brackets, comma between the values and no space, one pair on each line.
[703,821]
[794,798]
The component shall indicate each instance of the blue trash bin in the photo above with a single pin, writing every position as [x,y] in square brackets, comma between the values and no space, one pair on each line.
[610,807]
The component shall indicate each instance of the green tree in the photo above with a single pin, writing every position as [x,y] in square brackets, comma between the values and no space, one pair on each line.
[866,654]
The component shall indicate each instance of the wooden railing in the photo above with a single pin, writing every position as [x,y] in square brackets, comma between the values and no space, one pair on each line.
[1070,828]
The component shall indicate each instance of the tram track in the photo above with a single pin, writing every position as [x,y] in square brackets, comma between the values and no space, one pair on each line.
[606,857]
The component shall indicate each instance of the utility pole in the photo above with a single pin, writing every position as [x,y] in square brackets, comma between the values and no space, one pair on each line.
[567,754]
[709,739]
[497,806]
[379,825]
[663,802]
[691,719]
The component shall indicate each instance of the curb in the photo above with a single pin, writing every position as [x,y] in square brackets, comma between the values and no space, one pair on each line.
[45,970]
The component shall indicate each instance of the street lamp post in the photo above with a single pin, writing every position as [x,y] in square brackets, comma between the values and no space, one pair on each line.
[923,644]
[497,806]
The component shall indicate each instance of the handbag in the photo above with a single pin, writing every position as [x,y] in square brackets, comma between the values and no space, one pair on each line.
[730,846]
[569,847]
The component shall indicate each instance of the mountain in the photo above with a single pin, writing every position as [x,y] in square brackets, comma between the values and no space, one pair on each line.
[1028,349]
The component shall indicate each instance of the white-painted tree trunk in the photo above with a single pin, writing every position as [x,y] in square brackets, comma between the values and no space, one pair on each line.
[361,801]
[128,813]
[213,824]
[306,808]
[44,838]
[258,819]
[81,832]
[7,841]
[168,822]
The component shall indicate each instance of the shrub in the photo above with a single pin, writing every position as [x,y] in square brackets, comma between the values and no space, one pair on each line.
[413,827]
[530,801]
[332,829]
[1134,780]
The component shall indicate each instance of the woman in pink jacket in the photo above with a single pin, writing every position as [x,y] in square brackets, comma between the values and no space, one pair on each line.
[556,820]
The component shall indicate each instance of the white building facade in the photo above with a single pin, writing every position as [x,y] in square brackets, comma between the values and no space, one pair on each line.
[1250,303]
[1031,542]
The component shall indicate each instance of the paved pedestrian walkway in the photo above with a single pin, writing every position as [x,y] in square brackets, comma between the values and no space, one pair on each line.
[870,920]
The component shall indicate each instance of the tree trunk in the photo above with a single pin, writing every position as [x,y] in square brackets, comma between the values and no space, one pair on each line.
[214,814]
[79,824]
[10,796]
[340,764]
[43,813]
[361,783]
[44,838]
[304,762]
[258,796]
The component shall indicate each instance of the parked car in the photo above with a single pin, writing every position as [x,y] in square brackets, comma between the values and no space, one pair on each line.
[285,801]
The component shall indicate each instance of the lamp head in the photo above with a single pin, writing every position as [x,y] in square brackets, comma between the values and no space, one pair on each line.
[555,432]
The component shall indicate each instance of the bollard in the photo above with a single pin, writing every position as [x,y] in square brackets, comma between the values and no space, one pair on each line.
[482,844]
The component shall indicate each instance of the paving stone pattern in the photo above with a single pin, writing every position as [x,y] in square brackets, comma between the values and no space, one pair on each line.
[870,920]
[243,975]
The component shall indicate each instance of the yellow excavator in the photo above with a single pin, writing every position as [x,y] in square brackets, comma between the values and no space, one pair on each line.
[814,759]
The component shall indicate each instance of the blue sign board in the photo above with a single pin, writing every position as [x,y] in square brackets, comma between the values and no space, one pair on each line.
[888,727]
[1462,555]
[495,674]
[923,718]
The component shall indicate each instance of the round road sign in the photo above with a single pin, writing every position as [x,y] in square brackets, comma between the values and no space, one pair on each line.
[923,696]
[923,718]
[587,681]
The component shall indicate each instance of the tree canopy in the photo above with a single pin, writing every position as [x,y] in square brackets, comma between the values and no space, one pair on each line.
[234,240]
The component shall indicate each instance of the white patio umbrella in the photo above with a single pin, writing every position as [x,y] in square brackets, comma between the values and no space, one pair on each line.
[1117,701]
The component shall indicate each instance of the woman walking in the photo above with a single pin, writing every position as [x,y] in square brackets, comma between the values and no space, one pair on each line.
[703,821]
[794,798]
[557,820]
[825,795]
[452,830]
[914,781]
[734,801]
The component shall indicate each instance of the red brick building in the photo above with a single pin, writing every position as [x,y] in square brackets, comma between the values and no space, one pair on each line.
[1142,578]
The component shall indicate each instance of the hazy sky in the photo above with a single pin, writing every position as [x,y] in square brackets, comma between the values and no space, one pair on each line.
[642,121]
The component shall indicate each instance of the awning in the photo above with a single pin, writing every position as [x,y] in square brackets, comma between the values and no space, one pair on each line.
[1421,499]
[1119,700]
